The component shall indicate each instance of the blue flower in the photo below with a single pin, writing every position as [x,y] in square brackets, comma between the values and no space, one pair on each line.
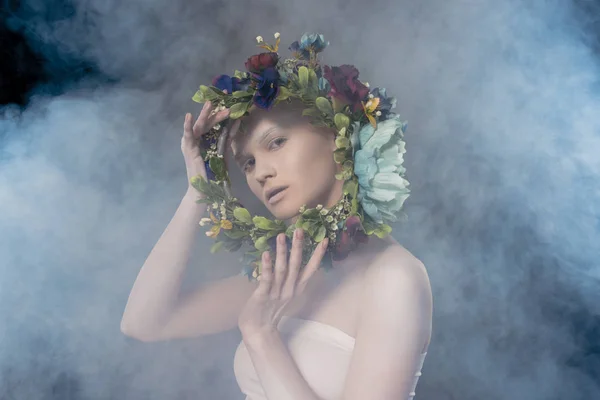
[231,84]
[385,103]
[267,87]
[309,42]
[378,158]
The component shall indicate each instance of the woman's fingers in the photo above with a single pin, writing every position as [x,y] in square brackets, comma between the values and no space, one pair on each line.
[289,288]
[280,266]
[219,117]
[313,264]
[187,126]
[266,275]
[200,126]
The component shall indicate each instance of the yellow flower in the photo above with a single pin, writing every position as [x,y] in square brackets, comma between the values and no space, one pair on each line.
[218,225]
[370,109]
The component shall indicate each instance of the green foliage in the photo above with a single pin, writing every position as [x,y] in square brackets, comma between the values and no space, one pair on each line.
[341,121]
[239,109]
[243,215]
[324,106]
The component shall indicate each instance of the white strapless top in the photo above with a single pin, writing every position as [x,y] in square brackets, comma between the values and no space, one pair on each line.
[322,353]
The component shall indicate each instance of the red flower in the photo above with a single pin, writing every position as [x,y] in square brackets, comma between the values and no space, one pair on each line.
[349,238]
[259,62]
[345,85]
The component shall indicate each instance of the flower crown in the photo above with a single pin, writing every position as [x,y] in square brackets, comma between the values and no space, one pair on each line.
[369,148]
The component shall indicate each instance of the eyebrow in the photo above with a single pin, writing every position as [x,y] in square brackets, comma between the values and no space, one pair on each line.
[239,157]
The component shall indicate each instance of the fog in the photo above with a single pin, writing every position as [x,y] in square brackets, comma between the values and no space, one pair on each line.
[503,143]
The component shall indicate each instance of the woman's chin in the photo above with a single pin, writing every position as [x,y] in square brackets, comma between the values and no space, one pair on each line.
[284,212]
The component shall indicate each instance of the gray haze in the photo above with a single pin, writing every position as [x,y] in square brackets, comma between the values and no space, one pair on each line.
[503,149]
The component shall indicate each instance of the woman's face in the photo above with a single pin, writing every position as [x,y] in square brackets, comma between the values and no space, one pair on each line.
[280,149]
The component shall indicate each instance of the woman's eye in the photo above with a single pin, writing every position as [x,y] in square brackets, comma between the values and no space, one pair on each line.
[279,141]
[246,164]
[275,142]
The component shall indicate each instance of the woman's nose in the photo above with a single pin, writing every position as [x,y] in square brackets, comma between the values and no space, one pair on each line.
[264,170]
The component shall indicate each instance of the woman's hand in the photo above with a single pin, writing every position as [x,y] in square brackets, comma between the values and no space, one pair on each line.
[192,134]
[279,285]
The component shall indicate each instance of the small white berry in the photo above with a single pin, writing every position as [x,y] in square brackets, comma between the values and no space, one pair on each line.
[276,35]
[259,39]
[378,113]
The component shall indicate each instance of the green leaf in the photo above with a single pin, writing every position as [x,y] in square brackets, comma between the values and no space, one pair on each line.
[342,142]
[261,243]
[324,106]
[216,247]
[218,92]
[238,110]
[341,121]
[284,94]
[339,155]
[233,246]
[303,77]
[217,165]
[311,213]
[383,230]
[199,97]
[235,233]
[348,165]
[312,112]
[354,206]
[312,78]
[264,223]
[241,94]
[199,183]
[351,187]
[320,234]
[240,74]
[241,214]
[290,230]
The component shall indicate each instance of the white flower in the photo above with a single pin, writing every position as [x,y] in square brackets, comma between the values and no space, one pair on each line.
[259,39]
[276,35]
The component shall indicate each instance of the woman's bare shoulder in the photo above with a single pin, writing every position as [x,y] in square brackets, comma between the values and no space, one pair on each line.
[391,253]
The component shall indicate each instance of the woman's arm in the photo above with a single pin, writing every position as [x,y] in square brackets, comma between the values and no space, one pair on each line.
[156,288]
[155,310]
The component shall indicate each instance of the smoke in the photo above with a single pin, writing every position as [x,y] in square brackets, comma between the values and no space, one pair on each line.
[503,140]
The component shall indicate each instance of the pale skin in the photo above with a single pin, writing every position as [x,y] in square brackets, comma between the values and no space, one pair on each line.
[392,302]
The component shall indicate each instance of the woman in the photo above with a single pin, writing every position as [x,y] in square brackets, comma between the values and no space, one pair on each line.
[358,331]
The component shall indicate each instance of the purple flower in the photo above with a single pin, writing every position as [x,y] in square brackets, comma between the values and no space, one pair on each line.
[267,87]
[385,103]
[228,83]
[345,85]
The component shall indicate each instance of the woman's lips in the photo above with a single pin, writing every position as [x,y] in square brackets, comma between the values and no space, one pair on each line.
[277,196]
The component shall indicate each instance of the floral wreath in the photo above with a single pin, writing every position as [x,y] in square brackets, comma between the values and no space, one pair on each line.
[369,148]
